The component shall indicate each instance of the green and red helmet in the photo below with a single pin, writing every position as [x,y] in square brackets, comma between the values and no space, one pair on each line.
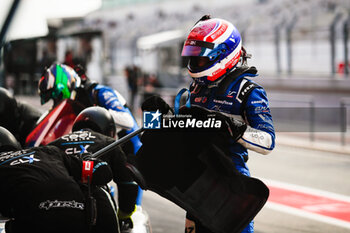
[58,82]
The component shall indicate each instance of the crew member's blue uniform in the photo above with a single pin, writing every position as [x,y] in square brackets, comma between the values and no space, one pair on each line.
[253,109]
[110,99]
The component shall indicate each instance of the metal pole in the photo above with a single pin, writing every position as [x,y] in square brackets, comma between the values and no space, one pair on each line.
[277,45]
[290,27]
[119,142]
[343,122]
[312,120]
[332,38]
[3,32]
[7,21]
[346,49]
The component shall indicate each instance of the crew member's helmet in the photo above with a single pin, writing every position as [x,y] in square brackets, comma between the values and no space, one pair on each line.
[57,83]
[214,47]
[97,119]
[8,142]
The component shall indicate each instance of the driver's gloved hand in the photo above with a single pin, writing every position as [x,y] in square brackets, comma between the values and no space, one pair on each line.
[236,128]
[231,127]
[155,103]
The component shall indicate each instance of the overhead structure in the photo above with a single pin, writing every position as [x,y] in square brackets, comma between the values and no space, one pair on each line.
[160,39]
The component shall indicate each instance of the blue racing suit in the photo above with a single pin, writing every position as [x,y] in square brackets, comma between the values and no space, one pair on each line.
[238,97]
[111,99]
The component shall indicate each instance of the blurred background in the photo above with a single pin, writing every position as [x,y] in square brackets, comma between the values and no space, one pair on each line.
[300,48]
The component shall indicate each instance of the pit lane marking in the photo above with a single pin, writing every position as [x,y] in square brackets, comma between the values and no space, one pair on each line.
[309,203]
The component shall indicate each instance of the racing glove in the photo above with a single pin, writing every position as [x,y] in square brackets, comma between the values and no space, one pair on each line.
[99,171]
[236,128]
[231,126]
[155,103]
[125,220]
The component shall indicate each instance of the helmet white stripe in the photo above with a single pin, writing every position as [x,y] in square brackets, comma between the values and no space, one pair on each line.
[205,38]
[51,81]
[227,33]
[224,36]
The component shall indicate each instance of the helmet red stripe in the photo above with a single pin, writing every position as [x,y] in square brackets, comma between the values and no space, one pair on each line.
[221,30]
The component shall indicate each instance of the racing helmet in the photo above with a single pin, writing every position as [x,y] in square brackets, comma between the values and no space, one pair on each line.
[57,83]
[8,142]
[97,119]
[214,47]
